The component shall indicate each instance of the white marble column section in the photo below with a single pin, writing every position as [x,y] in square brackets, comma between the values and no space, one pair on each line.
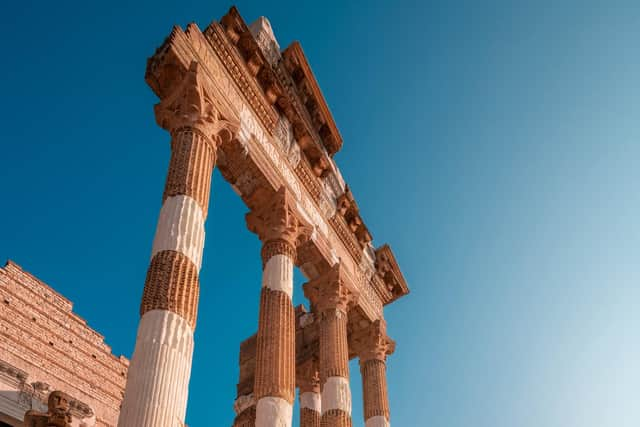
[336,394]
[157,387]
[278,274]
[180,228]
[311,400]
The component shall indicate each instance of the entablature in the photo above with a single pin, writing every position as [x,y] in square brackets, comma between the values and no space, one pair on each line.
[269,151]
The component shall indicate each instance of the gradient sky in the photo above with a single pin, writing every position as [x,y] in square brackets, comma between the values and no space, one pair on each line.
[494,145]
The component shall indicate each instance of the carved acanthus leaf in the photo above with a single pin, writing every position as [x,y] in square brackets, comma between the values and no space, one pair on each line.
[331,291]
[375,343]
[277,219]
[191,105]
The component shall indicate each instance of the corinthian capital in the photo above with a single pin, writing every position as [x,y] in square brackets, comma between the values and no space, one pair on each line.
[374,343]
[191,105]
[331,291]
[276,219]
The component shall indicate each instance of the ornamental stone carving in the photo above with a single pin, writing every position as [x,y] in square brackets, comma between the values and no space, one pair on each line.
[275,219]
[331,291]
[191,105]
[58,414]
[374,344]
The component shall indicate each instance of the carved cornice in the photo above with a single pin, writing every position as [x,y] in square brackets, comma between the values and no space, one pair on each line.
[389,272]
[309,180]
[348,209]
[347,237]
[240,72]
[299,68]
[277,86]
[293,108]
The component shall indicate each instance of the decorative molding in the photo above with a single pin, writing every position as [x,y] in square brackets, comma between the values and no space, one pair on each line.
[388,271]
[276,218]
[346,237]
[331,291]
[215,34]
[299,68]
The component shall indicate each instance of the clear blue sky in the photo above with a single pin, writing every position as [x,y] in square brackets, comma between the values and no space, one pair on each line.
[494,145]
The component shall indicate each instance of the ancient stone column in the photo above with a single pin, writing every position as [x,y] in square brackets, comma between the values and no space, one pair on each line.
[278,227]
[373,350]
[308,379]
[158,377]
[330,297]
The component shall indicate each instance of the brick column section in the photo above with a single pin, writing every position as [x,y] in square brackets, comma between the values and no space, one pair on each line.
[330,297]
[158,377]
[373,351]
[308,379]
[278,227]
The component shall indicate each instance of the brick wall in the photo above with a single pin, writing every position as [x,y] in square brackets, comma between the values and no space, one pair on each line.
[42,337]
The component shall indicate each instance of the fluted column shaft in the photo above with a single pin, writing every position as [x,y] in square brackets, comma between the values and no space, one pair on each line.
[158,377]
[374,391]
[334,369]
[274,385]
[278,227]
[330,297]
[373,348]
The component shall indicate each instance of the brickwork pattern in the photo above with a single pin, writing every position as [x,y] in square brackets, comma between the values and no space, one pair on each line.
[334,349]
[190,167]
[172,284]
[374,388]
[40,335]
[275,351]
[335,418]
[309,418]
